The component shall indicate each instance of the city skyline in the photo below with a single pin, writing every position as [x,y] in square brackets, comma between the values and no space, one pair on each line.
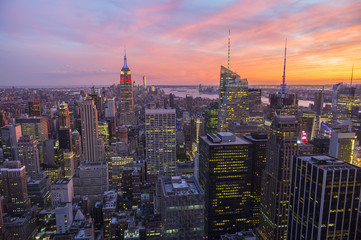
[82,43]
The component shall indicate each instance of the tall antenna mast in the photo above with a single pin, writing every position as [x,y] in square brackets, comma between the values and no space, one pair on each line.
[229,46]
[283,85]
[352,74]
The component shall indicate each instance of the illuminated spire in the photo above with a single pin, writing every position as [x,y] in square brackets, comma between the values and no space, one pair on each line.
[283,85]
[229,46]
[352,74]
[125,59]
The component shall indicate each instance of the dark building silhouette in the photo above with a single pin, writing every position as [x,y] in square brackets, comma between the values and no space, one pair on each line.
[225,165]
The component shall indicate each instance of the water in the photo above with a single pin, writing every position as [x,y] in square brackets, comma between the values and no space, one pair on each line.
[183,91]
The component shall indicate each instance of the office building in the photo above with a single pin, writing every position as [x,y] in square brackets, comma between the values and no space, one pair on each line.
[34,109]
[342,145]
[283,104]
[68,164]
[62,191]
[233,99]
[95,173]
[39,190]
[255,103]
[160,138]
[324,198]
[343,102]
[89,126]
[211,118]
[144,82]
[282,146]
[14,187]
[126,95]
[225,174]
[64,118]
[318,103]
[182,208]
[10,135]
[64,217]
[3,120]
[259,155]
[35,126]
[28,155]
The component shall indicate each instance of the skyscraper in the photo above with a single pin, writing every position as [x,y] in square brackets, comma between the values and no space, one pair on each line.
[211,118]
[64,118]
[282,146]
[324,199]
[34,109]
[319,97]
[160,132]
[259,155]
[255,103]
[126,95]
[14,188]
[233,99]
[10,135]
[342,145]
[225,174]
[182,208]
[345,96]
[29,154]
[89,126]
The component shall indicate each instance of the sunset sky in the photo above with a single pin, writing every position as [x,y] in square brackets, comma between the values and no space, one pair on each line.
[81,42]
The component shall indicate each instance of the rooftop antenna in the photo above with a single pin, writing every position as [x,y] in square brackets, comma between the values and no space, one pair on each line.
[352,75]
[229,45]
[125,58]
[283,85]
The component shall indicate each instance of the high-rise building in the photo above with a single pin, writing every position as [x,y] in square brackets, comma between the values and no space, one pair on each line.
[343,102]
[225,174]
[62,191]
[182,208]
[89,126]
[126,95]
[10,135]
[283,104]
[160,138]
[64,118]
[98,102]
[28,155]
[3,120]
[324,198]
[14,188]
[35,126]
[34,109]
[65,138]
[318,103]
[255,103]
[64,217]
[144,82]
[259,155]
[342,145]
[282,146]
[95,173]
[233,99]
[68,164]
[211,118]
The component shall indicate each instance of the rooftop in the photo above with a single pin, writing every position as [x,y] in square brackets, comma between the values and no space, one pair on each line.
[180,185]
[328,163]
[224,138]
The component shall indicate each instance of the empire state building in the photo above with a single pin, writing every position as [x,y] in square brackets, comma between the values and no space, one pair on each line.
[126,95]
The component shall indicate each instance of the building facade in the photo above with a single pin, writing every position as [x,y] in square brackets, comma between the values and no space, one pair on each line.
[282,146]
[225,174]
[160,134]
[324,198]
